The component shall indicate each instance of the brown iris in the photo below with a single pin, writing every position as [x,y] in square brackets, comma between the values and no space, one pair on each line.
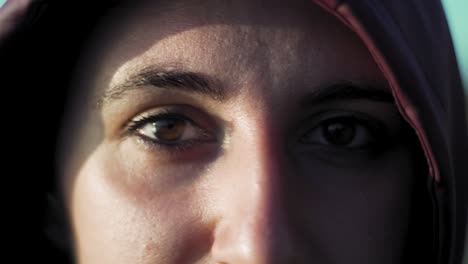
[339,133]
[169,129]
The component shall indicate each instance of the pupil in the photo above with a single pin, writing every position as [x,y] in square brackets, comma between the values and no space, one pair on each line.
[168,130]
[339,133]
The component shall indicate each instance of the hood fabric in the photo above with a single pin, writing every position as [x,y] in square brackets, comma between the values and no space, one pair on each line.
[411,43]
[409,40]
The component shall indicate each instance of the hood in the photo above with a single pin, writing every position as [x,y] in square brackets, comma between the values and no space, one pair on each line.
[411,43]
[409,40]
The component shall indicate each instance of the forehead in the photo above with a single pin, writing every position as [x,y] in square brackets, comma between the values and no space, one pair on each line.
[234,40]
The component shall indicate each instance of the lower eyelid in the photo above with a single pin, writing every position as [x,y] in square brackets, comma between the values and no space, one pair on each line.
[183,152]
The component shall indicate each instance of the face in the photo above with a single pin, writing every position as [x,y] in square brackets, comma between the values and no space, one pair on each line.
[233,132]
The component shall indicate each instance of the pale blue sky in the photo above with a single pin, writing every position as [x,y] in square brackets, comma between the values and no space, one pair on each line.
[458,20]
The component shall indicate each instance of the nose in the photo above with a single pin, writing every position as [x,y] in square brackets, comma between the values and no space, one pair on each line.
[253,224]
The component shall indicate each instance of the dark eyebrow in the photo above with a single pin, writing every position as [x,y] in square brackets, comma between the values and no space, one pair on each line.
[171,78]
[347,91]
[161,77]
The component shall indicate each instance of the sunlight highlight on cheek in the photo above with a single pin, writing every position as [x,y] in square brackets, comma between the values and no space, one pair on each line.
[137,217]
[139,174]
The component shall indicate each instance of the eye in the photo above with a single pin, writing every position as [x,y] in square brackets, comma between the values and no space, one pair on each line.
[339,133]
[345,132]
[168,129]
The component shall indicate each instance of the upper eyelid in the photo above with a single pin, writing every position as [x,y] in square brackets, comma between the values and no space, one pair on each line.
[152,113]
[315,120]
[139,121]
[199,119]
[373,126]
[331,114]
[202,135]
[199,116]
[161,115]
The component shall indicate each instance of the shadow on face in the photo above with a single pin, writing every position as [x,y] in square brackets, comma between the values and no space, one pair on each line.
[235,132]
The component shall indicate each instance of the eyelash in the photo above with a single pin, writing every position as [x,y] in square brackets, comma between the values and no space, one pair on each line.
[380,138]
[144,119]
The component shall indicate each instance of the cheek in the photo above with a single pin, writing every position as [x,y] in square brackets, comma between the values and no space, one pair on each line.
[119,220]
[361,209]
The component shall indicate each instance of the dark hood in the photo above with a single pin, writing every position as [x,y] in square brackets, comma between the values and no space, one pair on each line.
[411,43]
[409,40]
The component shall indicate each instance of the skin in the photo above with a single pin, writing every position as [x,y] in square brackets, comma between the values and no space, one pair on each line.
[257,190]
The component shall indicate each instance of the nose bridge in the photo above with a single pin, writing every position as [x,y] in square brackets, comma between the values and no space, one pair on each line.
[261,165]
[253,227]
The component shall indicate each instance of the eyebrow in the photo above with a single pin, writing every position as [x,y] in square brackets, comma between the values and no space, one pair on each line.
[346,91]
[164,78]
